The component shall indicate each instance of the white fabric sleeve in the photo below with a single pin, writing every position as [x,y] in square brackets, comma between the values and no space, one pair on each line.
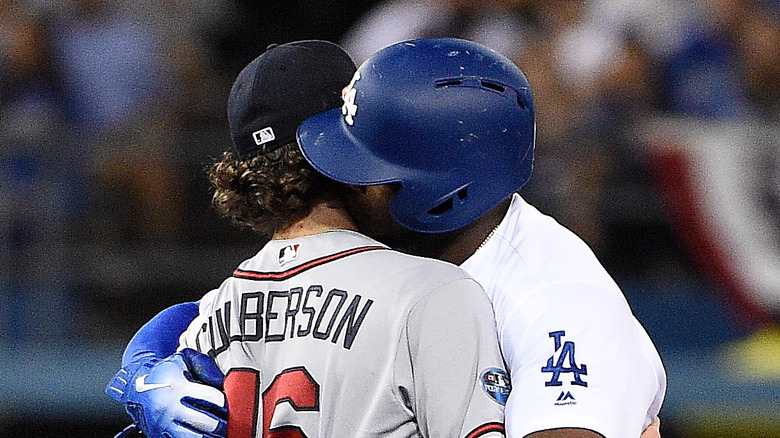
[579,358]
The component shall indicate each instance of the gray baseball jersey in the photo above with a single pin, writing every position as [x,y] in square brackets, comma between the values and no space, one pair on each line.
[336,335]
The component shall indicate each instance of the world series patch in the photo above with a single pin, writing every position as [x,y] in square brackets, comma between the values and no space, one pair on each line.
[496,384]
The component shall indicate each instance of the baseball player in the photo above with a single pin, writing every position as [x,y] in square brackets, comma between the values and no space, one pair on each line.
[324,332]
[443,131]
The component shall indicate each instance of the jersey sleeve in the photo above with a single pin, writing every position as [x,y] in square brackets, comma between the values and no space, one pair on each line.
[158,337]
[578,358]
[190,336]
[459,380]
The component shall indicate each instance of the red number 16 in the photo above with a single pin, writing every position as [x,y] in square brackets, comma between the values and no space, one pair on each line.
[294,386]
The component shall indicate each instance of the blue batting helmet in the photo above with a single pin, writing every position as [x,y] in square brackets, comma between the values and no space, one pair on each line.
[449,119]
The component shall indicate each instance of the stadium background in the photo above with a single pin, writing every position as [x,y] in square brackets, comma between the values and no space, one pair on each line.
[658,144]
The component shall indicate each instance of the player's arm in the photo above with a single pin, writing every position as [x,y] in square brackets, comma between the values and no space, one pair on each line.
[652,431]
[581,366]
[460,383]
[159,337]
[178,394]
[565,433]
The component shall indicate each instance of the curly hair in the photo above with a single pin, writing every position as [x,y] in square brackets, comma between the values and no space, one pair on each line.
[268,191]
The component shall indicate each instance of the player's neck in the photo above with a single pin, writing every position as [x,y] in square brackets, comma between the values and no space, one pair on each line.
[325,216]
[472,237]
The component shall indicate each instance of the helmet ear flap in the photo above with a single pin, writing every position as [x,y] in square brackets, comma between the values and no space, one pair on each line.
[434,212]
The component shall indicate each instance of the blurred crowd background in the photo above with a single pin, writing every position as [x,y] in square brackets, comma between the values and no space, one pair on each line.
[658,143]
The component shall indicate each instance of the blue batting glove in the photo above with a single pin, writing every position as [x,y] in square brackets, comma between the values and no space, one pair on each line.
[176,397]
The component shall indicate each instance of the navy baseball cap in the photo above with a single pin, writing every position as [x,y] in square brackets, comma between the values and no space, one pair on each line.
[280,89]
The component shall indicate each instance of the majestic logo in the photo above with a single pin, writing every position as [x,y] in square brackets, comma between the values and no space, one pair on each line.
[263,136]
[565,399]
[349,109]
[142,386]
[557,366]
[288,253]
[565,395]
[496,384]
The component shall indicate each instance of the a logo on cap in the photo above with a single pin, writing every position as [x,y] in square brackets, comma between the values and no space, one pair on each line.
[263,136]
[349,109]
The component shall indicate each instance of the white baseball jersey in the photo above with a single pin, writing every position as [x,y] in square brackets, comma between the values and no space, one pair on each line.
[576,354]
[336,335]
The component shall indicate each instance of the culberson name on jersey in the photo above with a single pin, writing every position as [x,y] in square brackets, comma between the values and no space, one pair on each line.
[274,316]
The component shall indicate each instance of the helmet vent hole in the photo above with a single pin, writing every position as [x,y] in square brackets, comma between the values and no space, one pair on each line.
[441,208]
[448,82]
[448,204]
[493,86]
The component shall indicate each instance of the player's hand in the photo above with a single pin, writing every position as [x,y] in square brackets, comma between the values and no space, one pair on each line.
[653,430]
[176,397]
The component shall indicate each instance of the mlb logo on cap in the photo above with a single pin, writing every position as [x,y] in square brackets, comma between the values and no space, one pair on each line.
[310,73]
[263,136]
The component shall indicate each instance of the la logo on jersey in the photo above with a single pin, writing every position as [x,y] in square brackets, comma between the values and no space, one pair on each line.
[349,109]
[565,355]
[288,253]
